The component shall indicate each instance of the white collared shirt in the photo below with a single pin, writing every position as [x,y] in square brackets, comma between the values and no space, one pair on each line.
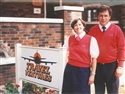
[94,50]
[107,26]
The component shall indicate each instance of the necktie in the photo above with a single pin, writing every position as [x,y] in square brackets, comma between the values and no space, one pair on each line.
[78,38]
[103,28]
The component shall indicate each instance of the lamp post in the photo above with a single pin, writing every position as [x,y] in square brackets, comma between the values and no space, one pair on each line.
[37,2]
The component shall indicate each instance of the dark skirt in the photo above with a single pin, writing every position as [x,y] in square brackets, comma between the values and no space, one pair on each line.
[75,80]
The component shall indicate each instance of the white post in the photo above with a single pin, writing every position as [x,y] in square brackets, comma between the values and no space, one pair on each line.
[17,66]
[60,2]
[45,9]
[62,62]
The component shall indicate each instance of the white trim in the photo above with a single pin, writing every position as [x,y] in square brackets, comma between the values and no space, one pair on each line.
[96,22]
[75,8]
[6,61]
[30,20]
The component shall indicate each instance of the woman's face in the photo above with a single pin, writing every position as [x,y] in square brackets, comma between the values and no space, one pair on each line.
[78,27]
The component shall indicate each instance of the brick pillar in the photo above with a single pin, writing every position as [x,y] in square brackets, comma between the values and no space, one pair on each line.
[123,18]
[68,14]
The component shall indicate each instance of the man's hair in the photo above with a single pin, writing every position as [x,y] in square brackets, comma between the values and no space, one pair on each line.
[103,8]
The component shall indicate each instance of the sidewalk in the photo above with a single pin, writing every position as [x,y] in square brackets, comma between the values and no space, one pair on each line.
[121,89]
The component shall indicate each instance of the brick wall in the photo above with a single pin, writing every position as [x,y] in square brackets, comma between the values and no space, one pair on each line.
[25,9]
[7,72]
[29,34]
[21,9]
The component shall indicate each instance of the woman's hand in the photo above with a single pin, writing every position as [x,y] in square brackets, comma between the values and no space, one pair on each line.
[91,79]
[93,69]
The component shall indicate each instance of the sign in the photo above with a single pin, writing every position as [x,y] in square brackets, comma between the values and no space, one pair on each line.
[42,66]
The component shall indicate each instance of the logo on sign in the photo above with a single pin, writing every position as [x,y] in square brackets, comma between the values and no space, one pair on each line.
[36,70]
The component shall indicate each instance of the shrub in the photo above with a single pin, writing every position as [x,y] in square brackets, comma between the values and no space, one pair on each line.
[28,88]
[10,88]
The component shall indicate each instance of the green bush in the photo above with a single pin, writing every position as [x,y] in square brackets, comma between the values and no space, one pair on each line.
[10,88]
[28,88]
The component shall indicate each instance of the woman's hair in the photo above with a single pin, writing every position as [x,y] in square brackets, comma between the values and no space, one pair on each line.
[75,21]
[103,8]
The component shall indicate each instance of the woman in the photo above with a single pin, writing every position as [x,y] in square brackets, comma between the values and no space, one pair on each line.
[83,51]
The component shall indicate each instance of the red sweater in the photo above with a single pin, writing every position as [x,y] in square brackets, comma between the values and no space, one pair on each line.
[79,52]
[111,44]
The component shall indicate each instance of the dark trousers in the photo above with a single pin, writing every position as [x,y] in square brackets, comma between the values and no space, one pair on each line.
[105,78]
[76,80]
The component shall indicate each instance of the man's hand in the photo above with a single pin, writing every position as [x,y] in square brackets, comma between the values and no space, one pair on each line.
[118,72]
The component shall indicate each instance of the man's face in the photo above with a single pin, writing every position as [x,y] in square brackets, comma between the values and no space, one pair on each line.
[104,17]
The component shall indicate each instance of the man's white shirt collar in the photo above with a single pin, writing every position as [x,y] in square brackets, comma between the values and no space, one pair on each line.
[107,26]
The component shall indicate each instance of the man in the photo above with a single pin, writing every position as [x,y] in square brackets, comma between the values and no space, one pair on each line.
[111,43]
